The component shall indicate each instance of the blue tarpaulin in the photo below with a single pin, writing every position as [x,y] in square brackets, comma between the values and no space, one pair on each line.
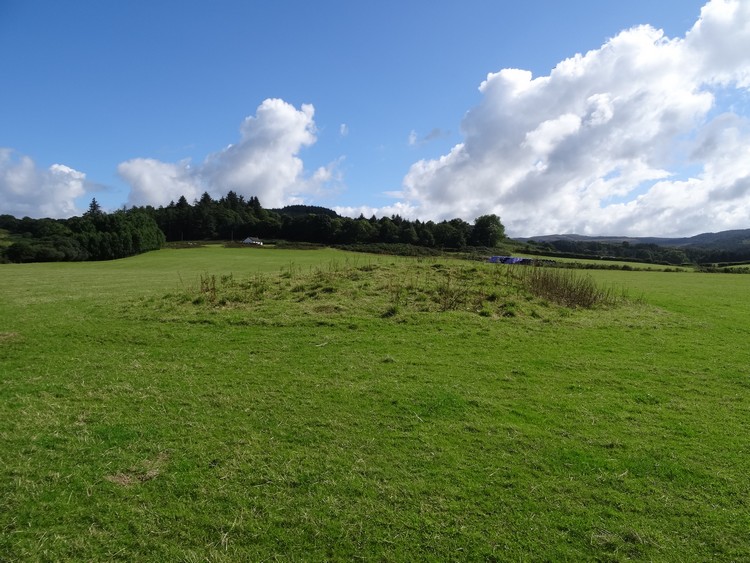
[517,260]
[506,260]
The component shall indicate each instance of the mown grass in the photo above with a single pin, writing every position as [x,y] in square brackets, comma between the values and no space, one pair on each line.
[222,404]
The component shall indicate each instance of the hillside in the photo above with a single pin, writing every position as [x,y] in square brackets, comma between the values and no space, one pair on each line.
[304,210]
[723,240]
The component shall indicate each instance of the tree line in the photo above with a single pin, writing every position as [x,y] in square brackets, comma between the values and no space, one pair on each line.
[232,217]
[97,235]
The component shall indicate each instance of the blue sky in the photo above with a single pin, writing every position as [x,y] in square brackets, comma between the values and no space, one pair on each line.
[378,109]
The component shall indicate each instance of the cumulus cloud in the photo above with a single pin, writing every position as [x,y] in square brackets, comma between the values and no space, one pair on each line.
[264,163]
[26,190]
[154,182]
[600,144]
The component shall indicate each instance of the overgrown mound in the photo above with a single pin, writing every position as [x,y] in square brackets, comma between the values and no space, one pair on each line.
[392,289]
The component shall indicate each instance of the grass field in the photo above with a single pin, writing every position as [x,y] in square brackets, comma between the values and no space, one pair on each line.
[220,404]
[613,264]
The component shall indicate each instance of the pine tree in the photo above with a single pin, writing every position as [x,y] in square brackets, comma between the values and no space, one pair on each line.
[94,209]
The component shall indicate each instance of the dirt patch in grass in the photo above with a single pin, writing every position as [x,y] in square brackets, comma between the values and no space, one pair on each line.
[146,471]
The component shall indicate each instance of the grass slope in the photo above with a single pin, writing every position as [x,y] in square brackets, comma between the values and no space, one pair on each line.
[224,404]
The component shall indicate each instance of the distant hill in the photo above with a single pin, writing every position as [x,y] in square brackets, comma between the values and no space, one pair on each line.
[725,240]
[302,210]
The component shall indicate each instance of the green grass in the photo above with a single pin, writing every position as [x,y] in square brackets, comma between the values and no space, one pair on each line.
[602,263]
[233,404]
[5,239]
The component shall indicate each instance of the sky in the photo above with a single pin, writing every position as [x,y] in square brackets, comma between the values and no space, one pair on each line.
[589,117]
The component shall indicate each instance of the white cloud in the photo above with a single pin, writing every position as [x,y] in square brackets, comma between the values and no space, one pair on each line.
[26,190]
[344,130]
[405,210]
[550,133]
[719,42]
[264,163]
[600,144]
[155,183]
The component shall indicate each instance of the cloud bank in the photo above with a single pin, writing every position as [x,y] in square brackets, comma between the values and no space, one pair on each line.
[264,163]
[26,190]
[601,144]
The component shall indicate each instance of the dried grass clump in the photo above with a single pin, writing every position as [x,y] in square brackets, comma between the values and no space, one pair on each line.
[565,287]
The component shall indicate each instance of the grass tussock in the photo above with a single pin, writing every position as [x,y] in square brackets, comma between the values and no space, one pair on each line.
[568,288]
